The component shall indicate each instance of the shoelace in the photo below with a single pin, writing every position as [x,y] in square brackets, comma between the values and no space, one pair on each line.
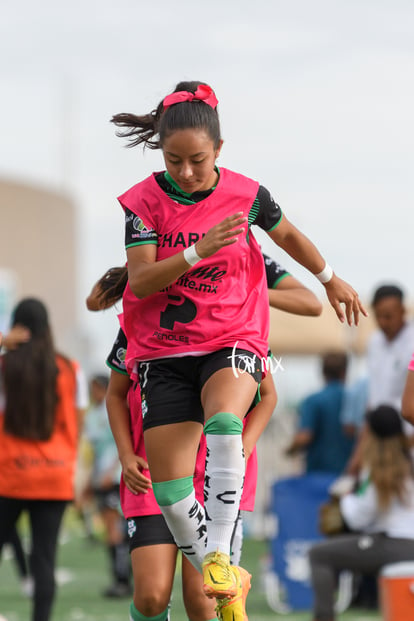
[217,560]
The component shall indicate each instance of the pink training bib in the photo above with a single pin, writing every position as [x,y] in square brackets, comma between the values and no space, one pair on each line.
[219,302]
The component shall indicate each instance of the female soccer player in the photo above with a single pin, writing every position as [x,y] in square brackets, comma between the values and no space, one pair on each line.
[195,308]
[153,550]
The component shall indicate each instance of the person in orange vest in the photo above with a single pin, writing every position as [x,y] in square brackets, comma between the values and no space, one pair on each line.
[42,398]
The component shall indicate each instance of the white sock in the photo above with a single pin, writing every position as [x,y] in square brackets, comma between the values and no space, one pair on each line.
[225,466]
[186,520]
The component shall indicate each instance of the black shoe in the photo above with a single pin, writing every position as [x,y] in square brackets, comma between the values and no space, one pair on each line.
[118,589]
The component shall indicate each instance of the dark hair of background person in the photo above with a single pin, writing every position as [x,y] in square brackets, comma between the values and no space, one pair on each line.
[387,291]
[334,365]
[194,114]
[387,455]
[30,375]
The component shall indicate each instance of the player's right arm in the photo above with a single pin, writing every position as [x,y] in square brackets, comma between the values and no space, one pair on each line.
[119,420]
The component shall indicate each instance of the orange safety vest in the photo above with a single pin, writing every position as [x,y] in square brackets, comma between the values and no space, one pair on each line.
[44,470]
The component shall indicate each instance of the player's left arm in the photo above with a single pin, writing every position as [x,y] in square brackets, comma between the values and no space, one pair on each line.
[300,248]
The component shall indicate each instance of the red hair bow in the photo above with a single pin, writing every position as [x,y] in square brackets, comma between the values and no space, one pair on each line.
[203,93]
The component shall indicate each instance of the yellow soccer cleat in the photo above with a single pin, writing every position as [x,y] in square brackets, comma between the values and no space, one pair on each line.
[219,580]
[234,608]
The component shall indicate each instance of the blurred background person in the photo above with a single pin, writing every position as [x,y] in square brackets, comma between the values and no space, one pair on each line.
[380,513]
[389,349]
[42,398]
[388,355]
[321,435]
[16,335]
[105,477]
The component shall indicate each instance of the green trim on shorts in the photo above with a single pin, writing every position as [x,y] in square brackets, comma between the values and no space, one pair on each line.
[224,424]
[169,492]
[257,398]
[137,616]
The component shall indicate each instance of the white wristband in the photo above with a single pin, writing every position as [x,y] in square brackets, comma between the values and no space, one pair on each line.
[191,256]
[325,275]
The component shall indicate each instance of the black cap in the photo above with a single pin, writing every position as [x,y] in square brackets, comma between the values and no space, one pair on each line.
[385,421]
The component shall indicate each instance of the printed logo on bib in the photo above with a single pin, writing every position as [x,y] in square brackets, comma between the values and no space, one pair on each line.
[184,311]
[179,241]
[178,310]
[192,278]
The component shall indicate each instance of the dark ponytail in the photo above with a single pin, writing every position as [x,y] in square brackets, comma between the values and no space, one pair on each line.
[111,286]
[152,129]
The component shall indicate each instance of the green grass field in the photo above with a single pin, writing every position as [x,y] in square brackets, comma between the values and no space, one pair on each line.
[83,574]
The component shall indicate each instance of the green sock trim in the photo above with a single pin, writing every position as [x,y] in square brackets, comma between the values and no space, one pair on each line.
[224,424]
[137,616]
[169,492]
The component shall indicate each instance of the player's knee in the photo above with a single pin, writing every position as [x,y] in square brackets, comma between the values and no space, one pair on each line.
[151,603]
